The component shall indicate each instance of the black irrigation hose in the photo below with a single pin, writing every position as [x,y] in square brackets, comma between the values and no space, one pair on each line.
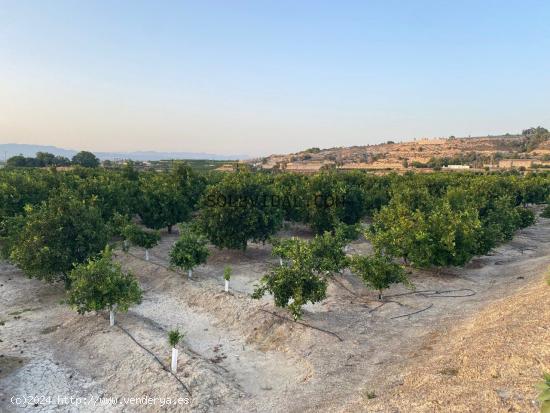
[303,324]
[156,358]
[438,293]
[409,314]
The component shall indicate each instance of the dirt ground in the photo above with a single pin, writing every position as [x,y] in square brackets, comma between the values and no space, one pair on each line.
[467,339]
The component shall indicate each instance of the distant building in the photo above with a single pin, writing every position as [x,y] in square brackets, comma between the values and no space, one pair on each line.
[457,167]
[515,163]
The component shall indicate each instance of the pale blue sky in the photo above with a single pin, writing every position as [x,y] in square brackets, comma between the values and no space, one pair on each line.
[260,77]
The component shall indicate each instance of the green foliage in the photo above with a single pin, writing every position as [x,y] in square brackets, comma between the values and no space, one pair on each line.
[163,203]
[9,233]
[326,208]
[19,188]
[100,284]
[86,159]
[378,272]
[544,395]
[546,212]
[336,198]
[57,234]
[174,337]
[526,217]
[227,271]
[189,250]
[239,209]
[292,287]
[118,223]
[430,222]
[328,253]
[142,238]
[348,232]
[42,159]
[292,194]
[189,183]
[112,192]
[302,278]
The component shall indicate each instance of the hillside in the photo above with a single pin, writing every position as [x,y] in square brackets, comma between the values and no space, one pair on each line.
[474,151]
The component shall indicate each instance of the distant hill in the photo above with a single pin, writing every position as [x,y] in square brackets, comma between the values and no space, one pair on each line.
[475,151]
[8,150]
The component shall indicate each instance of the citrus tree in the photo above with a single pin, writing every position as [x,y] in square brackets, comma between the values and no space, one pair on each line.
[57,234]
[189,250]
[146,239]
[378,272]
[174,337]
[100,284]
[227,271]
[303,275]
[163,203]
[239,209]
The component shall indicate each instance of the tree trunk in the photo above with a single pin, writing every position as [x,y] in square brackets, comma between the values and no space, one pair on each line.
[146,255]
[174,360]
[280,261]
[226,286]
[189,273]
[380,294]
[66,281]
[112,317]
[169,229]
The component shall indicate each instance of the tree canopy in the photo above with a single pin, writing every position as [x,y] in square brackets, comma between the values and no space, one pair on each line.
[239,209]
[100,284]
[57,234]
[189,250]
[378,272]
[85,159]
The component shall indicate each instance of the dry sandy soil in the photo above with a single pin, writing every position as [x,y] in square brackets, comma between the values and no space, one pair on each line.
[474,339]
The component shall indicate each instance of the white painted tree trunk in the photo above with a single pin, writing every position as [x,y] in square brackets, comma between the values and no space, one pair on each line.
[174,359]
[189,273]
[146,255]
[280,261]
[112,317]
[226,286]
[125,244]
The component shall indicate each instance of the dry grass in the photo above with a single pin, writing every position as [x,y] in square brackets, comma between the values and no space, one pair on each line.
[489,363]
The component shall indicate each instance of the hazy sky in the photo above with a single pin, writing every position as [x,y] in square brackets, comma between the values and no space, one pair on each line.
[259,77]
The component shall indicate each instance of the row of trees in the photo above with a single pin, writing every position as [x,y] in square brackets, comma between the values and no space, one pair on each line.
[51,222]
[428,220]
[307,266]
[44,159]
[433,225]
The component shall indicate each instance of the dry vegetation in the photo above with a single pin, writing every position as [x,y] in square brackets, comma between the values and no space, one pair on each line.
[391,155]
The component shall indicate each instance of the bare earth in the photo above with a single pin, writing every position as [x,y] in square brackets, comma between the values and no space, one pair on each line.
[479,347]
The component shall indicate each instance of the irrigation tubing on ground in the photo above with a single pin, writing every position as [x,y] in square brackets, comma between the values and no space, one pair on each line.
[415,312]
[302,324]
[439,293]
[156,358]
